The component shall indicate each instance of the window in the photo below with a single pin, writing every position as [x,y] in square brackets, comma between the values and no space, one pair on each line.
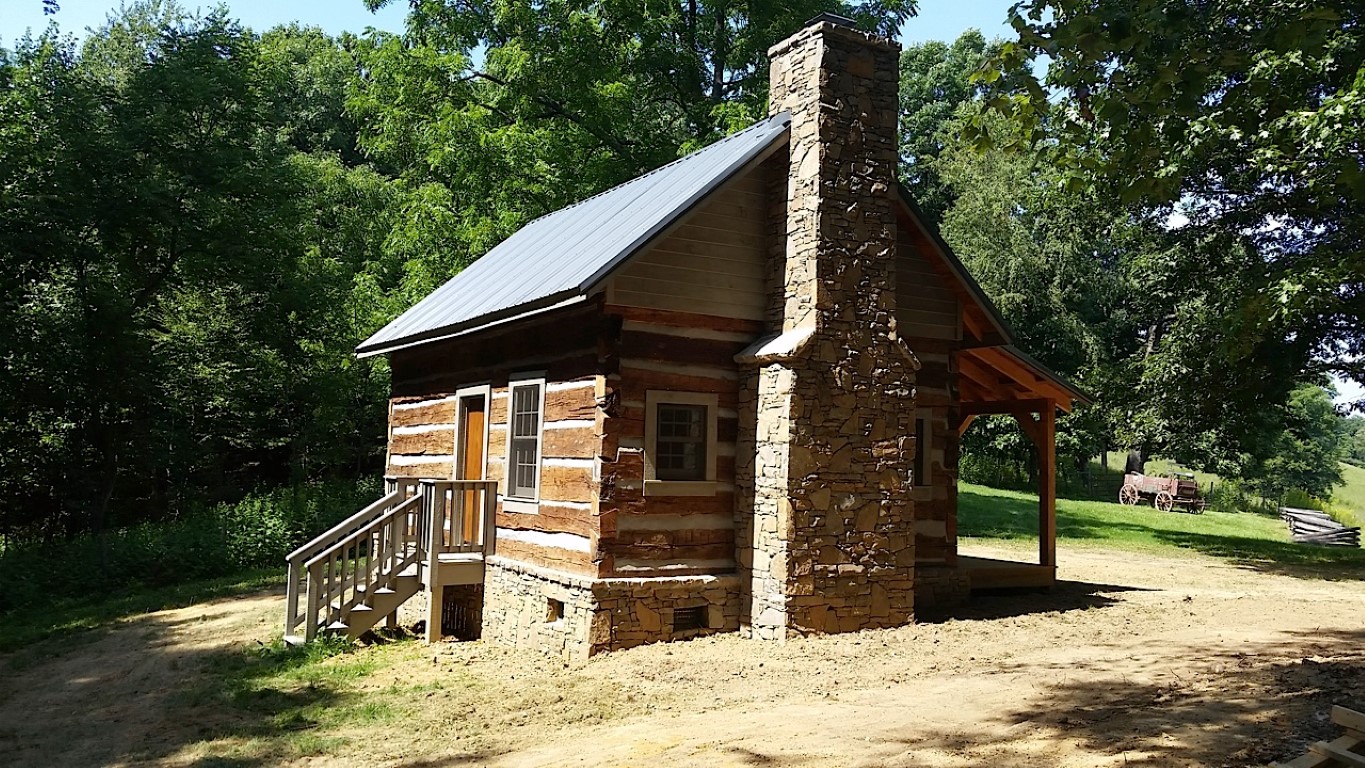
[922,448]
[526,404]
[554,610]
[680,443]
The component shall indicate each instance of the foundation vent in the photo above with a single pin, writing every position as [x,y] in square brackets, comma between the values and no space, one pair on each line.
[689,619]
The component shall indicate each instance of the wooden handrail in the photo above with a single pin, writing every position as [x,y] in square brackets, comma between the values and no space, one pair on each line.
[343,527]
[415,522]
[404,506]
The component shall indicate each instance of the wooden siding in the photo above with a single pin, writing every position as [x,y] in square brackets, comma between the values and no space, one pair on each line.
[936,502]
[669,535]
[562,531]
[927,307]
[711,264]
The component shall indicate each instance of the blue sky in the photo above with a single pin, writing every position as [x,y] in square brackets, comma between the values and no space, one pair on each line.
[938,19]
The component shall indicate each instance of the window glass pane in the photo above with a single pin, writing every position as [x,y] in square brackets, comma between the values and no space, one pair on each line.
[680,442]
[523,469]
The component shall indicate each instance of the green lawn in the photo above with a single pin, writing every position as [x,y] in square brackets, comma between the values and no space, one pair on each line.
[1351,493]
[1246,538]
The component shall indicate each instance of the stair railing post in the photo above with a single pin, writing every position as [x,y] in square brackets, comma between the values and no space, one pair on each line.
[490,517]
[310,629]
[291,598]
[435,529]
[457,511]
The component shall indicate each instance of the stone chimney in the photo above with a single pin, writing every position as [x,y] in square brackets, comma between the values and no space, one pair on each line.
[830,395]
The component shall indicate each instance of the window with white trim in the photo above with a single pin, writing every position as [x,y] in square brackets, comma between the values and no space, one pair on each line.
[525,419]
[680,443]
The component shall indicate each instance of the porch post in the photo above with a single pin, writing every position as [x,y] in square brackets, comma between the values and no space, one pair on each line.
[1047,484]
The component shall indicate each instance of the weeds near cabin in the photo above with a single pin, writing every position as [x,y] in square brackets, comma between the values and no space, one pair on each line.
[223,541]
[288,701]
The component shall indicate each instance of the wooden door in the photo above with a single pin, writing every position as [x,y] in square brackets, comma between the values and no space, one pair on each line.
[472,450]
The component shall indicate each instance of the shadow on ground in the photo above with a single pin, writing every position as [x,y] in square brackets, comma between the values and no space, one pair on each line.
[1064,597]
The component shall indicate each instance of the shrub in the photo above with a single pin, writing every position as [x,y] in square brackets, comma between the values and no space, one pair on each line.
[258,531]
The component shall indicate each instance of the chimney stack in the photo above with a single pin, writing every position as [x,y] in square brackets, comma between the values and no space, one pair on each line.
[831,541]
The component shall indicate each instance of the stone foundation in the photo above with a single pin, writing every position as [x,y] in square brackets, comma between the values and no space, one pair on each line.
[520,603]
[575,617]
[633,612]
[939,589]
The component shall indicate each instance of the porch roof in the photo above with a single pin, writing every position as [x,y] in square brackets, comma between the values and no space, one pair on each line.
[1004,379]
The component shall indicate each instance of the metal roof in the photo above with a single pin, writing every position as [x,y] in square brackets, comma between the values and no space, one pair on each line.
[563,256]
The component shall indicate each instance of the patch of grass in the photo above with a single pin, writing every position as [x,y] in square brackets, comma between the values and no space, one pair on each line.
[65,618]
[1248,539]
[284,702]
[1351,493]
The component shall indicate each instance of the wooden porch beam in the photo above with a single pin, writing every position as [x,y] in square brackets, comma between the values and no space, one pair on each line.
[996,407]
[1030,428]
[1047,486]
[964,422]
[991,380]
[1001,359]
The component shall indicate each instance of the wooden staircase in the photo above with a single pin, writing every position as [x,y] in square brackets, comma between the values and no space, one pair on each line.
[422,535]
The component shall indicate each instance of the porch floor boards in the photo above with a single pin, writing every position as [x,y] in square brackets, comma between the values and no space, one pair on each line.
[989,573]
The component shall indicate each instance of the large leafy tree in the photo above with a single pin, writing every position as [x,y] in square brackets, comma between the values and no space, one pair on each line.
[1248,115]
[182,245]
[497,112]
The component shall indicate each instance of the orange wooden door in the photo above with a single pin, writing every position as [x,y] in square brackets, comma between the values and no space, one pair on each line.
[472,452]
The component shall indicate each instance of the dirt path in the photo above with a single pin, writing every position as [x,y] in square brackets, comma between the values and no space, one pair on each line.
[1136,660]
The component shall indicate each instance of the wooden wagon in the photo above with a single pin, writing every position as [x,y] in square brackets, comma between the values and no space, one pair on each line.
[1165,492]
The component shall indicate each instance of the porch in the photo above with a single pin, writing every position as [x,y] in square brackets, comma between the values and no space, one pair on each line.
[422,535]
[1004,381]
[990,573]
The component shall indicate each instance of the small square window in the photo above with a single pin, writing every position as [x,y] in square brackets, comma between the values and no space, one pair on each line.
[680,442]
[922,448]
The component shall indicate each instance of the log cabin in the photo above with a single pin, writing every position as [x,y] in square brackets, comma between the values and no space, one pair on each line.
[725,396]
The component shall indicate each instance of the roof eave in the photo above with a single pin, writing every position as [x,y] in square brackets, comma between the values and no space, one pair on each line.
[955,265]
[476,325]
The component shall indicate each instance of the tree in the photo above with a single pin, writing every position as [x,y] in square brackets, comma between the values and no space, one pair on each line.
[190,255]
[500,112]
[936,79]
[1249,115]
[1306,454]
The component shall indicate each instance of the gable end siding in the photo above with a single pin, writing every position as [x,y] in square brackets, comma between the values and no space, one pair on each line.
[711,264]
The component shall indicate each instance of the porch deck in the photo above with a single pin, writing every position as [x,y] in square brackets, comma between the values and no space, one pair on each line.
[989,573]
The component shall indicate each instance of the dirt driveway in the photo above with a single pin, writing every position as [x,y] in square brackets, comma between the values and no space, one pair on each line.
[1136,660]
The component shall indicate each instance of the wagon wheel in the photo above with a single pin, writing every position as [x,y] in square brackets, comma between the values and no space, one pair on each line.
[1198,506]
[1164,501]
[1128,495]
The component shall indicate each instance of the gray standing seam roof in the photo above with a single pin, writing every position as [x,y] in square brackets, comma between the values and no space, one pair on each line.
[566,254]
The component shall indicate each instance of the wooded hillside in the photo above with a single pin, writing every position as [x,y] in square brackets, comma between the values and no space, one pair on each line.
[201,221]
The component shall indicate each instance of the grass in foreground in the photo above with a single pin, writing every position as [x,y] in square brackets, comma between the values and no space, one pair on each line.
[74,616]
[1245,538]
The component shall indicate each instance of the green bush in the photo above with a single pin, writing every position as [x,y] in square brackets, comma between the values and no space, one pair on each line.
[258,531]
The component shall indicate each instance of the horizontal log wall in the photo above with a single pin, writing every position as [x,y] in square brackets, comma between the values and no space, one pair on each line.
[927,306]
[567,347]
[669,535]
[935,504]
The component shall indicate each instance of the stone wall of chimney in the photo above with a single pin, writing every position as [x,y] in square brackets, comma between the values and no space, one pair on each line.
[832,528]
